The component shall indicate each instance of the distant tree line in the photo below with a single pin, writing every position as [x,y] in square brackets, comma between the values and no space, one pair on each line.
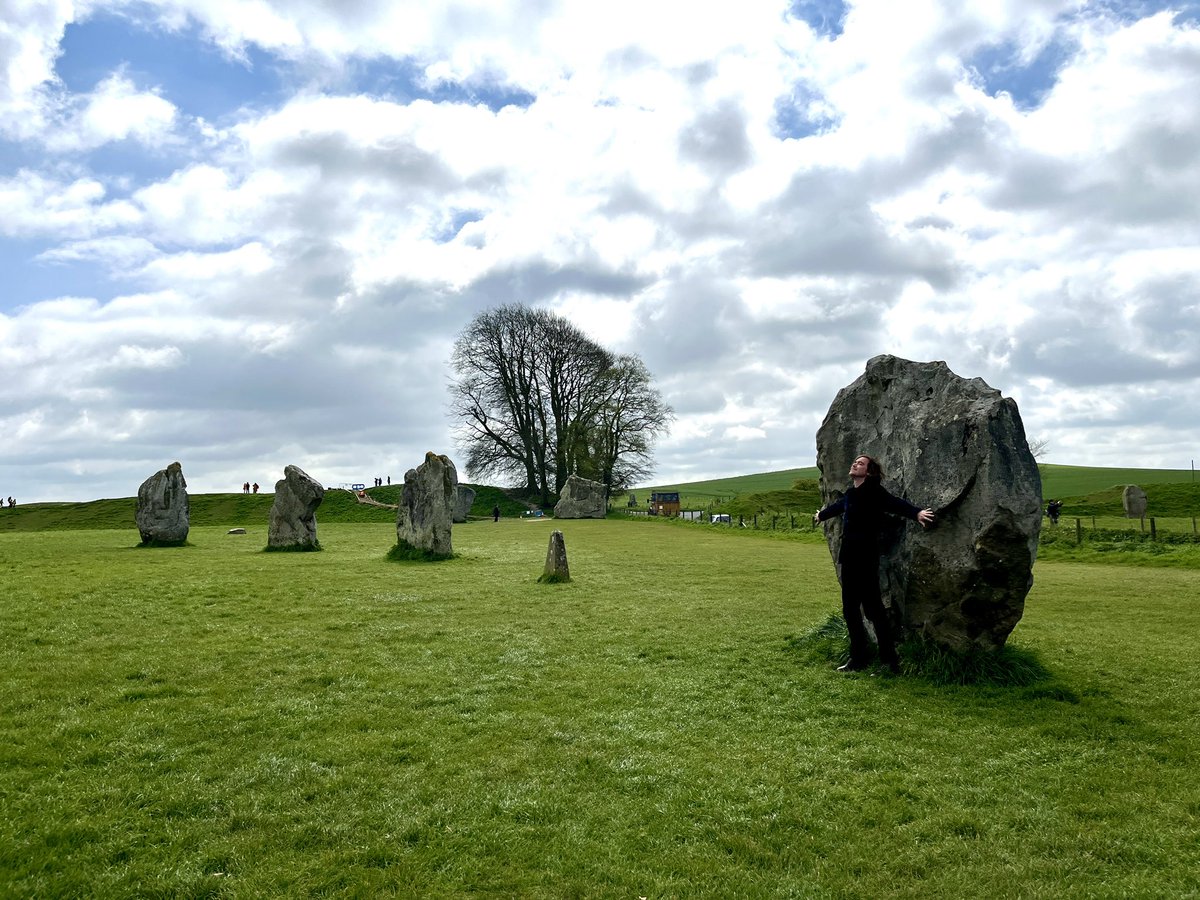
[536,400]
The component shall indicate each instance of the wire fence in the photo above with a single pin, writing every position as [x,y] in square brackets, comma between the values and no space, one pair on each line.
[1154,529]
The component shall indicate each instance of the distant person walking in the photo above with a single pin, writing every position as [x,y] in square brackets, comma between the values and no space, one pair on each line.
[254,487]
[862,509]
[496,513]
[1053,509]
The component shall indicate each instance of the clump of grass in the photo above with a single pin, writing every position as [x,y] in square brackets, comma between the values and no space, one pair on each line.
[553,578]
[829,641]
[1006,667]
[154,543]
[406,552]
[294,548]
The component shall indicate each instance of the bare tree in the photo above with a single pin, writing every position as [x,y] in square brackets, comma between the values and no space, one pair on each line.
[537,400]
[625,427]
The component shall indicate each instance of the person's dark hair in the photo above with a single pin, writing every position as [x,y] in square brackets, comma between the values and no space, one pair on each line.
[874,469]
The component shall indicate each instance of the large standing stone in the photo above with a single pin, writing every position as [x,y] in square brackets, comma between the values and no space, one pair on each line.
[557,571]
[463,503]
[582,499]
[293,522]
[162,507]
[957,446]
[1134,501]
[426,511]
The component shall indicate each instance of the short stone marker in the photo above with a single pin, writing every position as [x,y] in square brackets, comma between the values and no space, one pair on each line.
[293,522]
[557,571]
[1134,501]
[162,508]
[236,531]
[425,515]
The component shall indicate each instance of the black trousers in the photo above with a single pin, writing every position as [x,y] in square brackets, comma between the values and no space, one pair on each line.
[860,594]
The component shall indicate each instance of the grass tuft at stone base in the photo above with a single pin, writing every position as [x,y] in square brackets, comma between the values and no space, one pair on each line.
[155,544]
[553,578]
[314,547]
[406,552]
[829,642]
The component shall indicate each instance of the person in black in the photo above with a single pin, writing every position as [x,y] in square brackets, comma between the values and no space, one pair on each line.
[862,509]
[496,513]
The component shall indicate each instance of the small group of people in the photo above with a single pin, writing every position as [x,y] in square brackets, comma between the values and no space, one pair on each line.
[862,509]
[379,481]
[247,487]
[12,503]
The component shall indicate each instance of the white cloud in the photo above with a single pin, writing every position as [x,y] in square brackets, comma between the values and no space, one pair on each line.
[115,111]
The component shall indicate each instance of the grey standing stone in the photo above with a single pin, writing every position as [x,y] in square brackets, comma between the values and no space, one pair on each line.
[463,503]
[293,521]
[582,499]
[557,571]
[162,507]
[425,514]
[1134,501]
[956,445]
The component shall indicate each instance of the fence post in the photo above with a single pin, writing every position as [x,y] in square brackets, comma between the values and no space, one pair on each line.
[1153,530]
[793,521]
[756,521]
[1078,532]
[1093,523]
[775,518]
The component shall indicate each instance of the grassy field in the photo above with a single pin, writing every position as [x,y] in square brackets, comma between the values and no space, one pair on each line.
[213,721]
[1057,481]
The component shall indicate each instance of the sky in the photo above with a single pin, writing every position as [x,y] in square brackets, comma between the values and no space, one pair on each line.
[243,234]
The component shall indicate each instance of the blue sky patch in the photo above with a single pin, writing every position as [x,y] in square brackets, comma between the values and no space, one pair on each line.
[792,119]
[1000,70]
[188,70]
[825,17]
[403,80]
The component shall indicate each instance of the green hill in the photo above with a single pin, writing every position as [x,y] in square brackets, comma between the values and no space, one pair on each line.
[1088,490]
[231,510]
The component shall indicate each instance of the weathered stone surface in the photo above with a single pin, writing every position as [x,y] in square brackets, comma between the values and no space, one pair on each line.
[293,521]
[581,499]
[162,507]
[1134,501]
[557,570]
[425,514]
[463,502]
[955,445]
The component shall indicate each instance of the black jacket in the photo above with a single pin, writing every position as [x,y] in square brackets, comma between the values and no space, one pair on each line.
[862,510]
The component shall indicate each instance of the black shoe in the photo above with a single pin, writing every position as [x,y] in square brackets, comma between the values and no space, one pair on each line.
[852,666]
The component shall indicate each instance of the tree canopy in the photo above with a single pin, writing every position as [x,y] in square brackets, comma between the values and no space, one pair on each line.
[537,400]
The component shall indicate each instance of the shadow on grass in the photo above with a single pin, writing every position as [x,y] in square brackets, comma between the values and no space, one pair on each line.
[829,642]
[159,545]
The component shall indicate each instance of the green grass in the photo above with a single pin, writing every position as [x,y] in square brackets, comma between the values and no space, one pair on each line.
[703,494]
[1078,481]
[215,721]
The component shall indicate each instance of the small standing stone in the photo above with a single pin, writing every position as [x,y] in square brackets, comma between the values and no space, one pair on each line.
[1134,501]
[293,522]
[162,507]
[557,570]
